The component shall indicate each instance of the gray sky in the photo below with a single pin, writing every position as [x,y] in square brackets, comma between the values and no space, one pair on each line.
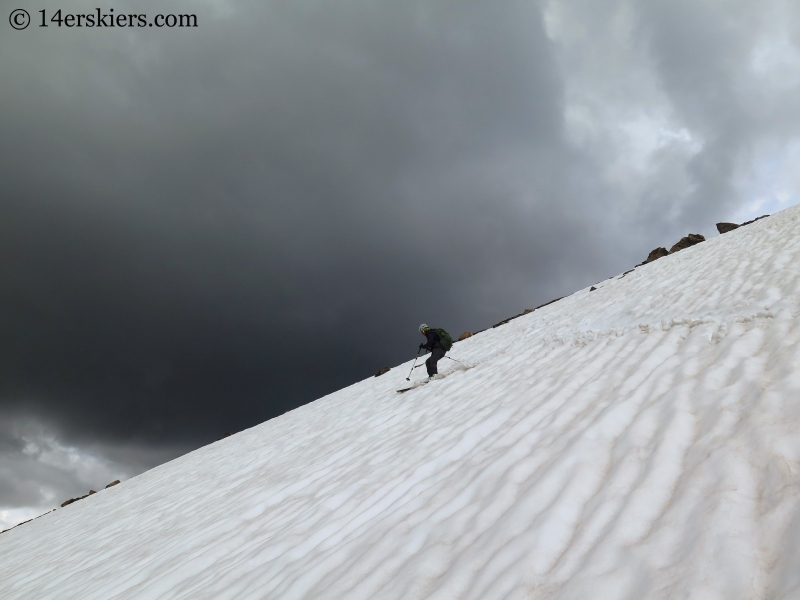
[203,228]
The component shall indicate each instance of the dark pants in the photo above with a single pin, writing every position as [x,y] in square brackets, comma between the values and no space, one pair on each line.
[430,364]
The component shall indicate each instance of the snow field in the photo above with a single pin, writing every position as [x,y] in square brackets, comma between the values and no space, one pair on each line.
[638,441]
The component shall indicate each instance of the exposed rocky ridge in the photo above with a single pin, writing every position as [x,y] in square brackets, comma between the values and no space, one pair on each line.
[28,521]
[726,227]
[754,220]
[63,504]
[654,255]
[686,242]
[660,252]
[524,312]
[71,500]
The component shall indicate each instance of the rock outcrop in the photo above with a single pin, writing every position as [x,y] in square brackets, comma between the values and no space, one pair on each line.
[28,521]
[71,500]
[382,371]
[726,227]
[754,220]
[525,312]
[654,255]
[686,242]
[63,504]
[464,336]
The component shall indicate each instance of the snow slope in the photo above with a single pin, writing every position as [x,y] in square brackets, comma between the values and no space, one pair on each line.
[638,441]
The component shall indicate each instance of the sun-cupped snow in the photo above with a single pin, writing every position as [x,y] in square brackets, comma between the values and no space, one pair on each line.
[638,441]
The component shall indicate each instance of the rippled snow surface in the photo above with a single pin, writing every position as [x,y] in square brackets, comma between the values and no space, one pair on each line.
[638,441]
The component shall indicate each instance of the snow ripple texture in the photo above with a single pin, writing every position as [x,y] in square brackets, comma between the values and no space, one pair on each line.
[638,441]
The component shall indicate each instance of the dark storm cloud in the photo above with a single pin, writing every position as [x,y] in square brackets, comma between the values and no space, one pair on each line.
[205,228]
[200,229]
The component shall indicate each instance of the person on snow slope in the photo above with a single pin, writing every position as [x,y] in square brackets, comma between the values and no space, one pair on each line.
[438,343]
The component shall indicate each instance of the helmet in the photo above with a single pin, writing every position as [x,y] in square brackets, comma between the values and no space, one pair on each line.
[423,328]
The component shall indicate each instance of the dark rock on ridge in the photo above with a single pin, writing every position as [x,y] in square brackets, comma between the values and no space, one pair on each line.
[382,371]
[28,521]
[754,220]
[654,255]
[464,336]
[543,305]
[68,502]
[726,227]
[71,500]
[525,312]
[686,242]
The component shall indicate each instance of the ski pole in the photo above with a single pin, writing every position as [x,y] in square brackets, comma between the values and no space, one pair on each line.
[453,359]
[414,367]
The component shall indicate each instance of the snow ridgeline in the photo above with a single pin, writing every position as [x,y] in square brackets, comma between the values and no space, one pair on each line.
[638,441]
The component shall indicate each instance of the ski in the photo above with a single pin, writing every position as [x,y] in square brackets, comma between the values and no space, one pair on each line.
[461,367]
[412,387]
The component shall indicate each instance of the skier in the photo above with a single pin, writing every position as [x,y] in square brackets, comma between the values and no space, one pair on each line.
[439,342]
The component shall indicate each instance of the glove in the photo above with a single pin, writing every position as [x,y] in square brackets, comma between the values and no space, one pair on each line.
[421,346]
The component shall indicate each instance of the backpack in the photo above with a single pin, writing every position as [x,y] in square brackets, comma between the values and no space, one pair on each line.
[445,341]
